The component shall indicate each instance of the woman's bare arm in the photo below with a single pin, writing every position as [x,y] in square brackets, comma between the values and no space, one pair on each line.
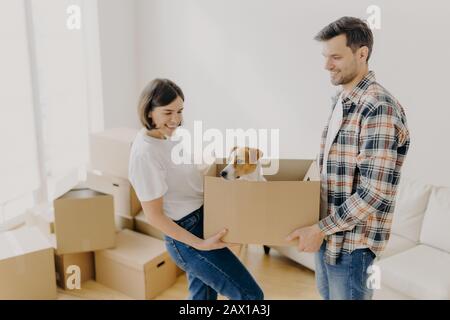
[154,213]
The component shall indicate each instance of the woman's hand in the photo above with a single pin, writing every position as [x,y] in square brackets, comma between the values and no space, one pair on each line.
[212,243]
[154,213]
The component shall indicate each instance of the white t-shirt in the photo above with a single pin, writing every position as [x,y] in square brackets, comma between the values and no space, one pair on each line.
[153,174]
[333,129]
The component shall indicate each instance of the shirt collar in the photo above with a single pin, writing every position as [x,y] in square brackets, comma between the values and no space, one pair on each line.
[355,95]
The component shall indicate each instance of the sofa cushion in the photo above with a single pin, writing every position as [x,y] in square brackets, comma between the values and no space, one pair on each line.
[421,273]
[411,203]
[386,293]
[304,258]
[436,223]
[396,245]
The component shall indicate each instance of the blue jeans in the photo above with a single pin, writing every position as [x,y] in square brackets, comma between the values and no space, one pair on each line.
[214,271]
[347,280]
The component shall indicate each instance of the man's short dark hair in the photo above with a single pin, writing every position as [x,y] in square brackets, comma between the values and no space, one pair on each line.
[356,30]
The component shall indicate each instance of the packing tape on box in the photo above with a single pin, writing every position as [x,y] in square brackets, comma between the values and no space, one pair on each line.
[18,251]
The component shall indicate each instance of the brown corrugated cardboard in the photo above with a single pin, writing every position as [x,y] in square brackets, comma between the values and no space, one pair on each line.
[261,212]
[64,272]
[124,222]
[110,151]
[313,173]
[142,226]
[27,265]
[139,266]
[84,221]
[73,269]
[126,202]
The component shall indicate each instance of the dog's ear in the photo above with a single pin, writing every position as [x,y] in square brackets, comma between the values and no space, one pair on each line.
[232,157]
[259,154]
[254,154]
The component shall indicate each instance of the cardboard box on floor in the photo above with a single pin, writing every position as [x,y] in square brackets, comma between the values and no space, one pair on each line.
[139,266]
[73,267]
[126,202]
[110,151]
[261,212]
[84,221]
[67,275]
[27,265]
[142,226]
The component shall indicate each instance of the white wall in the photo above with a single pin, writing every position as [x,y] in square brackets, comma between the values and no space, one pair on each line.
[118,62]
[253,64]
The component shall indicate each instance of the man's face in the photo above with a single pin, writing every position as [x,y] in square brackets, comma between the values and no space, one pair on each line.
[342,63]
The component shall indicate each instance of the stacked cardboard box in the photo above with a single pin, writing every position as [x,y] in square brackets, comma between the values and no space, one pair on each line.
[110,151]
[138,266]
[84,224]
[59,241]
[73,269]
[84,221]
[27,267]
[109,156]
[126,203]
[142,226]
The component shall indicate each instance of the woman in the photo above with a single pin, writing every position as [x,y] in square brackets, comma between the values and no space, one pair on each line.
[172,199]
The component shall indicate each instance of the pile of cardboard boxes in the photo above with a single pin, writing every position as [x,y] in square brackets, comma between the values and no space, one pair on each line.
[88,233]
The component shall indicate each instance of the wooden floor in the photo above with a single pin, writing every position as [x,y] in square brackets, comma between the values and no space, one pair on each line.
[279,277]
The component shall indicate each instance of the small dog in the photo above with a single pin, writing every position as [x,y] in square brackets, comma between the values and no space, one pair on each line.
[244,165]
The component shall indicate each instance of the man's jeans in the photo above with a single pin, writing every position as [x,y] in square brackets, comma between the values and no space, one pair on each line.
[214,271]
[347,280]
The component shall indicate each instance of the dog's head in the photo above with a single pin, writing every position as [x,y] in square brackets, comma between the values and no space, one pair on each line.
[242,162]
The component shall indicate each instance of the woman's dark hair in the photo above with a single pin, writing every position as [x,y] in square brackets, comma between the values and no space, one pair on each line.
[158,93]
[356,30]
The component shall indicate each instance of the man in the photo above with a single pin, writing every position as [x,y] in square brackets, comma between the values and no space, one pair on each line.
[362,151]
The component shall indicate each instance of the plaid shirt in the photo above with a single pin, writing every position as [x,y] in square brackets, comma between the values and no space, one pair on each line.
[363,170]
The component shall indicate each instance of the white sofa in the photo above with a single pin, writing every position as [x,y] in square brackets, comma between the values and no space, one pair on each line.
[416,262]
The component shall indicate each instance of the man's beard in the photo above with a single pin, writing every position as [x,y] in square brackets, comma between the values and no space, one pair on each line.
[345,79]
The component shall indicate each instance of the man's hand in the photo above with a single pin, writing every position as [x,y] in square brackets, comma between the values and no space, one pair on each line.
[309,238]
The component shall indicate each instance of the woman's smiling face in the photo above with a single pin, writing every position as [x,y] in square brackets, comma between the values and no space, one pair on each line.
[168,118]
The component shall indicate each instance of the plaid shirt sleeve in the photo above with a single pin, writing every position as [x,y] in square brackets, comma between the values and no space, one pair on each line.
[381,132]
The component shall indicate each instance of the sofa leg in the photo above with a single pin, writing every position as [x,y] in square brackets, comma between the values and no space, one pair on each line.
[266,249]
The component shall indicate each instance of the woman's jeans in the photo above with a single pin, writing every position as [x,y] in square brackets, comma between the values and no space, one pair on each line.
[211,272]
[347,280]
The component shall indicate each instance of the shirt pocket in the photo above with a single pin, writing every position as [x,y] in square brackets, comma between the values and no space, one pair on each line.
[348,143]
[348,137]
